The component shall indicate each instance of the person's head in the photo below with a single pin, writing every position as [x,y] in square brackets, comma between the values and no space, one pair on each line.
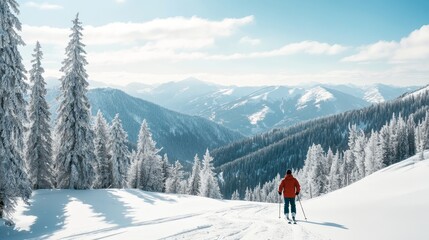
[288,172]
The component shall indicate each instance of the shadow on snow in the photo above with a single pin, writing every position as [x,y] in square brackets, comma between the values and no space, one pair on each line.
[328,224]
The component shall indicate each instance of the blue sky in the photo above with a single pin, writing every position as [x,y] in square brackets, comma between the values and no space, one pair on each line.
[237,42]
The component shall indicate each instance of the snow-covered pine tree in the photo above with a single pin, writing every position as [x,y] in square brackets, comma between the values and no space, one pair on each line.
[14,182]
[421,136]
[173,184]
[119,154]
[248,195]
[166,170]
[101,141]
[359,156]
[270,188]
[39,143]
[318,180]
[411,128]
[257,193]
[209,186]
[329,160]
[393,132]
[385,145]
[194,180]
[314,180]
[402,139]
[235,195]
[75,158]
[335,181]
[134,171]
[373,157]
[147,171]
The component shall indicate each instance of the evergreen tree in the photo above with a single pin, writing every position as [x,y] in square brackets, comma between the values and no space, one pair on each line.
[119,154]
[313,174]
[248,195]
[209,186]
[14,182]
[173,184]
[348,167]
[235,195]
[329,160]
[411,126]
[39,148]
[402,140]
[101,140]
[75,158]
[373,156]
[335,181]
[359,156]
[317,175]
[166,170]
[147,173]
[421,136]
[354,150]
[393,133]
[257,193]
[194,180]
[134,171]
[385,146]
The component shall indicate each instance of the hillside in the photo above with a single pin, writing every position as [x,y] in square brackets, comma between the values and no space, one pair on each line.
[389,204]
[180,135]
[258,159]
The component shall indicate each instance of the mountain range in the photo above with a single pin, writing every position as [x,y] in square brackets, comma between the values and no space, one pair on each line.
[252,110]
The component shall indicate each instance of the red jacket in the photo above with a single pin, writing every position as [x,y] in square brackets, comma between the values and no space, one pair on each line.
[289,186]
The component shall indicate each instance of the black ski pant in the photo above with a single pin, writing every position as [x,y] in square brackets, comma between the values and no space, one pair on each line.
[290,201]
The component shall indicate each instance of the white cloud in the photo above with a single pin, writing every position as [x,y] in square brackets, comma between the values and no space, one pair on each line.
[178,29]
[175,38]
[413,47]
[150,52]
[306,47]
[376,51]
[43,6]
[250,41]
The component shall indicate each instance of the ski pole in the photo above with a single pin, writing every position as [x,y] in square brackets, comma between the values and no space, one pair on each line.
[299,199]
[280,204]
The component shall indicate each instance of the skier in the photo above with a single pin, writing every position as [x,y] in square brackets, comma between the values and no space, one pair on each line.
[290,188]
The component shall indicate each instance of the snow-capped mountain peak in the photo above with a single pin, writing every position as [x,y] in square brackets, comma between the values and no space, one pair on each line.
[259,116]
[314,95]
[373,95]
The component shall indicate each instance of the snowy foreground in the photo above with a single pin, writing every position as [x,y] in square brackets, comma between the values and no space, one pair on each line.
[390,204]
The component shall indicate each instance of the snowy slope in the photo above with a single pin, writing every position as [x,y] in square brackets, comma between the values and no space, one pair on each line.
[417,92]
[390,204]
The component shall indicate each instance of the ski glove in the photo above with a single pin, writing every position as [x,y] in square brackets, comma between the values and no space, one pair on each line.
[297,193]
[280,193]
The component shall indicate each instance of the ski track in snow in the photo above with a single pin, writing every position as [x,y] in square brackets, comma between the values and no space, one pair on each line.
[247,221]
